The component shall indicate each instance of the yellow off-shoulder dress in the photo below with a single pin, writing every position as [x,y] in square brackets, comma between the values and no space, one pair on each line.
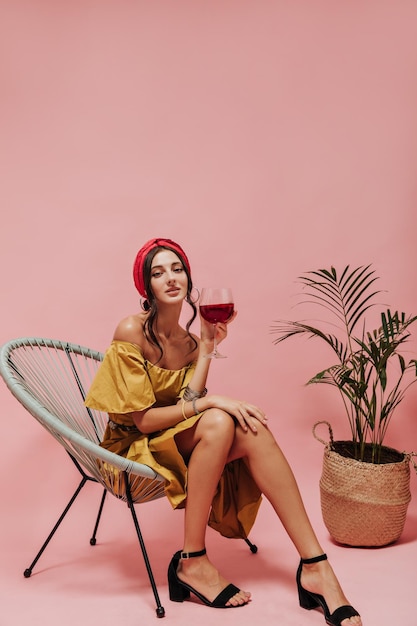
[127,382]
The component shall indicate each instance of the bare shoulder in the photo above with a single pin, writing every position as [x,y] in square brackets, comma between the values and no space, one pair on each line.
[130,329]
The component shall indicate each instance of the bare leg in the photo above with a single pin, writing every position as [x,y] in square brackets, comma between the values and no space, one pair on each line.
[275,479]
[207,446]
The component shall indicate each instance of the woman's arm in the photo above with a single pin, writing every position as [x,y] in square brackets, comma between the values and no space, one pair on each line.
[244,413]
[159,418]
[154,419]
[205,347]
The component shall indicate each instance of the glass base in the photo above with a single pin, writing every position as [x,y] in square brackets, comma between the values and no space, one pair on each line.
[215,355]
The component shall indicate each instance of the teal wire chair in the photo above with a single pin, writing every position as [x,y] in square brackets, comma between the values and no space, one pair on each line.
[50,379]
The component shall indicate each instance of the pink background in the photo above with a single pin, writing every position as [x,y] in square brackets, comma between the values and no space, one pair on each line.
[269,139]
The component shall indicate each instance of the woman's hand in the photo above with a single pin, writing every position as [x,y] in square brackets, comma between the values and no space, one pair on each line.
[208,330]
[247,415]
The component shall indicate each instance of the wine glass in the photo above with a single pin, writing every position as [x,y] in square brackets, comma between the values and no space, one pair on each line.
[216,305]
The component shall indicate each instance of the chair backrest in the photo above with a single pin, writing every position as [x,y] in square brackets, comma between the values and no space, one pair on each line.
[51,378]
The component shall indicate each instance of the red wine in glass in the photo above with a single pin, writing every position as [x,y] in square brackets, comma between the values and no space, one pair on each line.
[216,306]
[215,313]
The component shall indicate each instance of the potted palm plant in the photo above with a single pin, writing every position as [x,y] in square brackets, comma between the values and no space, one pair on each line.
[361,476]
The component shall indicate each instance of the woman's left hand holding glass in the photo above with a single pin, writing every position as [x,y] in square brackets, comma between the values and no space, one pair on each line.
[206,332]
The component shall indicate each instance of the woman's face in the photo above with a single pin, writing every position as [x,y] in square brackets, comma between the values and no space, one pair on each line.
[169,280]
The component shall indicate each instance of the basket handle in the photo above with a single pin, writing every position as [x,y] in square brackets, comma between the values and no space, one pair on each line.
[325,443]
[412,460]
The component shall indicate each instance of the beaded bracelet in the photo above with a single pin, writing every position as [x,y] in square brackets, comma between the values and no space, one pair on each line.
[190,394]
[193,402]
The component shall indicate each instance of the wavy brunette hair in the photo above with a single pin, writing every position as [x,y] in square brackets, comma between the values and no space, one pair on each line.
[149,304]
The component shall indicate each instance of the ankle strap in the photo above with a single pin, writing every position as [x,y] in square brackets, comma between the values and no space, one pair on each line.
[316,559]
[191,555]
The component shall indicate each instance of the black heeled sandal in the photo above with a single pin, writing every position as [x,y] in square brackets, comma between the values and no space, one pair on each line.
[309,600]
[180,591]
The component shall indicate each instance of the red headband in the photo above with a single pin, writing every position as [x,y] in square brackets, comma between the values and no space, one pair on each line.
[143,253]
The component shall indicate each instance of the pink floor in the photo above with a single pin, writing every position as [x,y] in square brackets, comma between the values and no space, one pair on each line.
[75,583]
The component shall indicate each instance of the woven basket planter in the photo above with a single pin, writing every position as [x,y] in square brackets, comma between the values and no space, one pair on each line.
[363,504]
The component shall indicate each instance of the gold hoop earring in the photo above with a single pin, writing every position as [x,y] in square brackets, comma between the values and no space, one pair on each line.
[194,299]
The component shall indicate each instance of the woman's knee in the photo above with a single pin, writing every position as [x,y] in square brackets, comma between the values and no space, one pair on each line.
[249,442]
[216,422]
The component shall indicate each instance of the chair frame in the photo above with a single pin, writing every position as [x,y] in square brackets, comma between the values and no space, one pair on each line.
[74,441]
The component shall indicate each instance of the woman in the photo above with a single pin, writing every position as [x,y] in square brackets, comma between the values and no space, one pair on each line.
[216,453]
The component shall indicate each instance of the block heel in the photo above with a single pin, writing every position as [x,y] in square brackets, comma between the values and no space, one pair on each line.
[177,592]
[309,600]
[180,591]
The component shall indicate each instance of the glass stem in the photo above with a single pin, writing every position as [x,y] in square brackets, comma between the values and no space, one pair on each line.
[215,341]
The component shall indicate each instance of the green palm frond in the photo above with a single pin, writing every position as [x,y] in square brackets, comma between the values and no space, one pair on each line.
[347,295]
[287,329]
[371,374]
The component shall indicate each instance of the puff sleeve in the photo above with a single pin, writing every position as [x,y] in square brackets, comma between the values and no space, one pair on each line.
[122,384]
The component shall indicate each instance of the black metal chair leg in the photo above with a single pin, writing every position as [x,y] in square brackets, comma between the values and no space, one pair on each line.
[160,611]
[28,571]
[93,538]
[252,546]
